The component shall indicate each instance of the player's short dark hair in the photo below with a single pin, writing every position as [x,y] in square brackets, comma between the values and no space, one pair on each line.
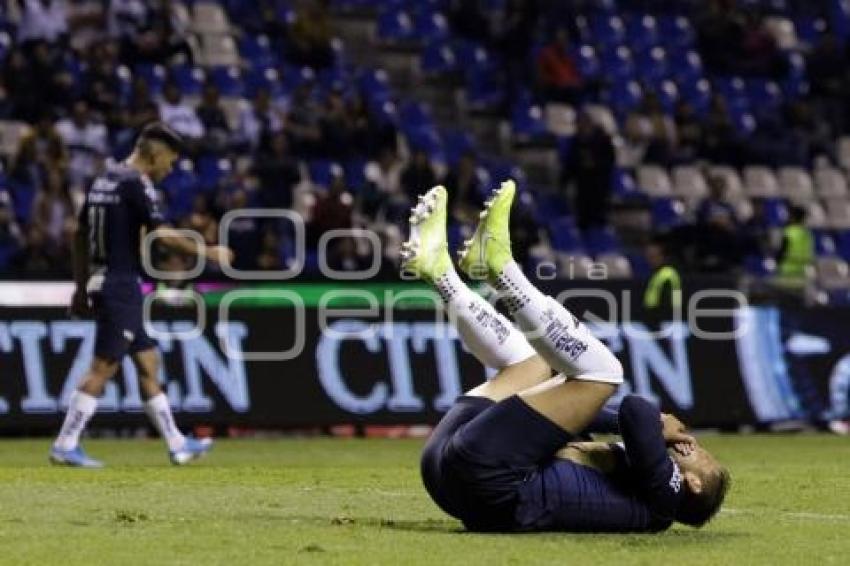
[163,133]
[697,509]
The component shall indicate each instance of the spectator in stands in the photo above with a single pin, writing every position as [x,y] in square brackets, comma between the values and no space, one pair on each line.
[720,32]
[719,142]
[637,135]
[558,75]
[810,132]
[260,121]
[464,187]
[663,141]
[152,34]
[310,35]
[140,110]
[86,143]
[211,114]
[36,83]
[201,220]
[101,81]
[383,198]
[588,166]
[337,126]
[512,35]
[180,115]
[760,55]
[303,122]
[717,236]
[39,257]
[333,210]
[53,209]
[369,134]
[277,173]
[419,175]
[40,151]
[690,132]
[244,233]
[797,253]
[43,20]
[269,258]
[10,232]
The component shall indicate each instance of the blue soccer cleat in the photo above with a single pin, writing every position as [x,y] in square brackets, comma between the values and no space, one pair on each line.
[193,449]
[75,457]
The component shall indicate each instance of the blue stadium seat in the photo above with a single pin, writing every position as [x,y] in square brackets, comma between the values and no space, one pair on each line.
[652,65]
[642,32]
[759,266]
[323,171]
[608,30]
[355,173]
[685,65]
[744,122]
[824,242]
[415,115]
[623,184]
[697,94]
[228,80]
[438,57]
[484,89]
[431,25]
[264,78]
[550,207]
[472,56]
[734,90]
[374,84]
[809,29]
[601,241]
[565,236]
[180,186]
[211,171]
[527,122]
[456,143]
[190,79]
[775,212]
[764,95]
[154,76]
[587,61]
[623,96]
[667,213]
[395,25]
[675,31]
[668,95]
[618,63]
[23,196]
[426,138]
[842,244]
[795,83]
[257,50]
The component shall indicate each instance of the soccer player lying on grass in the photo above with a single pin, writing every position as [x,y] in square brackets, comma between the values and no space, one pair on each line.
[504,458]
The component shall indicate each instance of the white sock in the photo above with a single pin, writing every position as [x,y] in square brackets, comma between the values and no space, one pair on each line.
[488,335]
[159,412]
[80,409]
[558,336]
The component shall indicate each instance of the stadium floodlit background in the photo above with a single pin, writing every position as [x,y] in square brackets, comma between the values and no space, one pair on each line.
[719,129]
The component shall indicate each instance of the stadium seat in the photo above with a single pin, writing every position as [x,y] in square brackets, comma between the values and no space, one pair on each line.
[323,171]
[218,51]
[796,184]
[551,206]
[763,95]
[654,181]
[607,30]
[211,171]
[832,272]
[599,241]
[564,235]
[783,32]
[697,94]
[743,207]
[154,75]
[689,183]
[824,242]
[734,186]
[624,96]
[603,117]
[815,214]
[257,50]
[651,66]
[675,31]
[642,32]
[618,64]
[795,83]
[395,25]
[623,185]
[838,213]
[189,79]
[734,90]
[667,213]
[617,266]
[527,123]
[588,61]
[560,119]
[759,266]
[438,58]
[431,25]
[209,18]
[266,78]
[686,66]
[775,211]
[830,182]
[668,95]
[228,80]
[760,181]
[181,186]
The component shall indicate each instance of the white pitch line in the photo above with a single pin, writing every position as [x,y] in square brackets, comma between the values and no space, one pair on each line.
[790,515]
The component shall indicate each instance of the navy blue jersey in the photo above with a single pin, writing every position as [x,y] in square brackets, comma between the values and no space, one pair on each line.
[118,205]
[642,495]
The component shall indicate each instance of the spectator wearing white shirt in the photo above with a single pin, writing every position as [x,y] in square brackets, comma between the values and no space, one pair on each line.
[179,115]
[43,20]
[86,143]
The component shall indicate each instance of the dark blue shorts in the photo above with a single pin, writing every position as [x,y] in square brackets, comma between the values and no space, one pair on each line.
[481,453]
[119,327]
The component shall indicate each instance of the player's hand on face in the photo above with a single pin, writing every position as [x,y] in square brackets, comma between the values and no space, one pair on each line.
[80,306]
[675,435]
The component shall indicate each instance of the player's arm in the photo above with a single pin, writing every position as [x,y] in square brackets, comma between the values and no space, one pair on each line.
[176,241]
[650,466]
[80,262]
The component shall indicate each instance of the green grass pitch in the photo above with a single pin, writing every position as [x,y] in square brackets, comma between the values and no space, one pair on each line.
[333,501]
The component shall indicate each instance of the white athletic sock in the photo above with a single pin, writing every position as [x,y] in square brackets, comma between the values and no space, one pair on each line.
[488,335]
[159,412]
[80,409]
[558,336]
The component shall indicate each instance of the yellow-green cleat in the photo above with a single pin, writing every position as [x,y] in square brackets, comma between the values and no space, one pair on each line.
[425,254]
[488,251]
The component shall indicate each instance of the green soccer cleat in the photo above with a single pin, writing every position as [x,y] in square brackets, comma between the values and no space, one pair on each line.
[489,250]
[425,254]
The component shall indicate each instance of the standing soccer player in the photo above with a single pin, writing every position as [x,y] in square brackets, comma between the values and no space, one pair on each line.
[107,271]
